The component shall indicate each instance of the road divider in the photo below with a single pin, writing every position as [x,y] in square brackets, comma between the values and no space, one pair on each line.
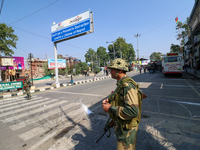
[54,87]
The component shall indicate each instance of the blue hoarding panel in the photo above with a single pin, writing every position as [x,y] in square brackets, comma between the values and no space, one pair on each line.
[71,31]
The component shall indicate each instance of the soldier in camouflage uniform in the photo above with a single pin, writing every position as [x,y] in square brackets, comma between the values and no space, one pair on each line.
[124,106]
[27,85]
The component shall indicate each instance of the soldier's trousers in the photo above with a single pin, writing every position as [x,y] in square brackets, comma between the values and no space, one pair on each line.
[121,146]
[28,93]
[132,136]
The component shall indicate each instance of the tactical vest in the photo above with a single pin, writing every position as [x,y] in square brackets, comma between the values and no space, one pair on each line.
[114,100]
[25,83]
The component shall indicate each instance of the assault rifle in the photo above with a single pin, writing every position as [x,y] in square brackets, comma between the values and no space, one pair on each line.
[105,130]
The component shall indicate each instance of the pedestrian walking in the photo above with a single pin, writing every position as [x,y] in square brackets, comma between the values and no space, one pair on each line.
[186,67]
[106,72]
[144,69]
[27,85]
[123,106]
[140,69]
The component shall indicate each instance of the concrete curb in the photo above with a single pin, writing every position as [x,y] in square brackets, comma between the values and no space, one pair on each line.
[194,75]
[57,86]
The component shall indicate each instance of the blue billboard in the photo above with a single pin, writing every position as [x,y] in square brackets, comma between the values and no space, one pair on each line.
[71,28]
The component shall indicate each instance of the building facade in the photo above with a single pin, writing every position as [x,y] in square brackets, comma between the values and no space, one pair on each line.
[192,41]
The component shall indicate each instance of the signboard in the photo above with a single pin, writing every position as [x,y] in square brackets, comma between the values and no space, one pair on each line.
[11,85]
[88,63]
[7,61]
[73,27]
[18,64]
[60,62]
[145,62]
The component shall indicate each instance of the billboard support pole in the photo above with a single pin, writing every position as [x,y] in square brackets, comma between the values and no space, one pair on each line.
[0,66]
[56,63]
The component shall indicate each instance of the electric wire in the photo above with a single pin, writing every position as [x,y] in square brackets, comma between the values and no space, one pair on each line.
[162,23]
[1,7]
[33,12]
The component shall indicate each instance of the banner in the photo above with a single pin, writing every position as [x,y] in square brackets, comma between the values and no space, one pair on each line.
[11,85]
[18,64]
[60,62]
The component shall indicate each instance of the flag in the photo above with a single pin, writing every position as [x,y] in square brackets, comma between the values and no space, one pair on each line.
[176,19]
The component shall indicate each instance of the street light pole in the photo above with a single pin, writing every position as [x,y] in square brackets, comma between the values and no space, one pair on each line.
[113,47]
[30,58]
[0,66]
[137,35]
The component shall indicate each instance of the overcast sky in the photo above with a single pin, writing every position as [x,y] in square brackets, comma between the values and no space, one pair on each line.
[153,19]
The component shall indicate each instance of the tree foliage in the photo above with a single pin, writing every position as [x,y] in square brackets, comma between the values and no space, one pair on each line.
[182,29]
[174,48]
[156,56]
[102,55]
[122,49]
[46,70]
[7,39]
[90,55]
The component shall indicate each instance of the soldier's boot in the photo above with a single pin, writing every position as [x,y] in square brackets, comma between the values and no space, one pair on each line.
[29,97]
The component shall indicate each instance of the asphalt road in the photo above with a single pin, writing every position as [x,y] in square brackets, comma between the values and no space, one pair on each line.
[170,115]
[49,82]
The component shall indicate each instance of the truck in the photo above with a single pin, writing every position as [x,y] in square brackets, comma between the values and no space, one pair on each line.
[156,65]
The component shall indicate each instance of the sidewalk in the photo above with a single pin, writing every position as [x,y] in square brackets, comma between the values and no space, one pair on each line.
[191,72]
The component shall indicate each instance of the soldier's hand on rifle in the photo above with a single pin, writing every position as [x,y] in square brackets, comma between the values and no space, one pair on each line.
[105,101]
[106,105]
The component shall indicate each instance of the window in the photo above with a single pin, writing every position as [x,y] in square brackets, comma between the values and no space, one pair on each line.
[173,59]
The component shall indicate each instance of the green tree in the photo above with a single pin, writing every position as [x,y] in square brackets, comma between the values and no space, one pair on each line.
[156,56]
[46,70]
[174,48]
[90,55]
[122,49]
[7,39]
[182,30]
[81,66]
[103,55]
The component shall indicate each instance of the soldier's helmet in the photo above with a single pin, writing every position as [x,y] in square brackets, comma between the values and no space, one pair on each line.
[26,76]
[119,64]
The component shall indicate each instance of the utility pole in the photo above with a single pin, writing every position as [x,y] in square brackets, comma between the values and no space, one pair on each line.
[137,35]
[113,47]
[0,66]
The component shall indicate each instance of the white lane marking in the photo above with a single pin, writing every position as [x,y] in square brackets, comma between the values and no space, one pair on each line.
[6,101]
[20,116]
[43,116]
[188,103]
[178,85]
[22,103]
[39,130]
[17,101]
[161,86]
[176,97]
[42,141]
[192,87]
[93,87]
[24,107]
[78,93]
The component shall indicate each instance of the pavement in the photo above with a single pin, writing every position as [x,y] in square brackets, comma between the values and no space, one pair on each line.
[164,136]
[191,71]
[84,134]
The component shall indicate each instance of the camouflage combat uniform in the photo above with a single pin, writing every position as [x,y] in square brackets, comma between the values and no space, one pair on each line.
[27,85]
[125,111]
